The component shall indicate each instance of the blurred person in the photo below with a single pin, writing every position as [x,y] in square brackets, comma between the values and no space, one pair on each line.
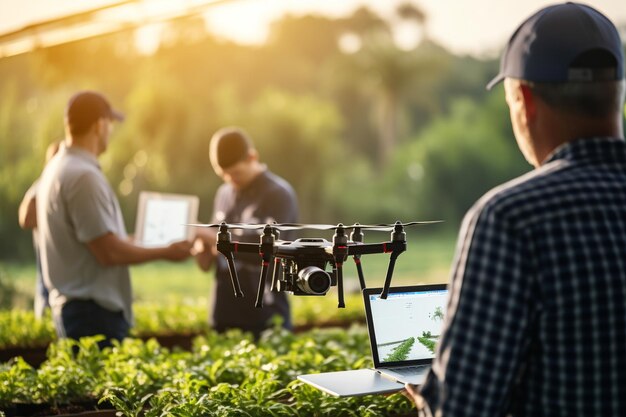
[84,248]
[27,218]
[536,320]
[250,194]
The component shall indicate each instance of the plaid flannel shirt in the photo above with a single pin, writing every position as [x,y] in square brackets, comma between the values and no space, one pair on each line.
[536,320]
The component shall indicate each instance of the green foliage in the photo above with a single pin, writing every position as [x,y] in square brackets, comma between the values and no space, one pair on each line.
[454,161]
[7,290]
[437,315]
[16,380]
[63,378]
[22,328]
[298,137]
[22,147]
[314,112]
[224,375]
[152,318]
[428,340]
[401,352]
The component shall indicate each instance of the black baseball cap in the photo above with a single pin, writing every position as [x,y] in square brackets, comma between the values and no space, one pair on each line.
[569,42]
[85,108]
[229,146]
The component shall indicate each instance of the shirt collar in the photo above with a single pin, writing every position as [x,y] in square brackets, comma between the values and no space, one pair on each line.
[598,149]
[82,154]
[254,184]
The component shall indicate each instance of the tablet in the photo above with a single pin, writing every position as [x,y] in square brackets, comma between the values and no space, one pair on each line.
[162,218]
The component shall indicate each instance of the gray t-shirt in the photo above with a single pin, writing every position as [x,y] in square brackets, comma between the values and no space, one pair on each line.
[75,205]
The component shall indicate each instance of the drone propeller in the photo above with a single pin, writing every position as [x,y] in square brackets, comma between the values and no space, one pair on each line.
[229,225]
[248,226]
[390,227]
[382,227]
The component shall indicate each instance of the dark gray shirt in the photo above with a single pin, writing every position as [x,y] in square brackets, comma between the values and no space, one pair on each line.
[267,199]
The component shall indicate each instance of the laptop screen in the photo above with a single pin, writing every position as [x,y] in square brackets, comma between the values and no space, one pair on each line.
[404,328]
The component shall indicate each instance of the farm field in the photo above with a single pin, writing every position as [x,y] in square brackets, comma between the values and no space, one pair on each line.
[217,374]
[427,260]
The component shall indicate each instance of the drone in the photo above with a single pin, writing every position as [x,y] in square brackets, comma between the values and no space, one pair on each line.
[300,266]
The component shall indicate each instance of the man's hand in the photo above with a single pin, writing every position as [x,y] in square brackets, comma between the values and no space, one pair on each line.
[179,251]
[27,213]
[206,240]
[205,249]
[412,393]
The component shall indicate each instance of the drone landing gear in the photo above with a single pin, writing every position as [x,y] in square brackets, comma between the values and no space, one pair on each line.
[357,236]
[226,247]
[341,250]
[267,256]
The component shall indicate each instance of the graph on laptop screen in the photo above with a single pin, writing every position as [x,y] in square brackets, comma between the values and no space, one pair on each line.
[407,324]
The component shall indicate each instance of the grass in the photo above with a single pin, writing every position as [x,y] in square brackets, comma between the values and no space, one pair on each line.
[427,260]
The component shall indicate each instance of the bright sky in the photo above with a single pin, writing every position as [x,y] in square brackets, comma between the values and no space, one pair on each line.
[463,26]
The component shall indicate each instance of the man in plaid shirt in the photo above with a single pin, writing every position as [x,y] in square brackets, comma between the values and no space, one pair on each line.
[536,320]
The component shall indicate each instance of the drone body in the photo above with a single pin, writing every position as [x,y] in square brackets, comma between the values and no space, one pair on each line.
[299,266]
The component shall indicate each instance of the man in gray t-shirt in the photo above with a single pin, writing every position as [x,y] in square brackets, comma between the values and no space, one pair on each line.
[250,194]
[84,249]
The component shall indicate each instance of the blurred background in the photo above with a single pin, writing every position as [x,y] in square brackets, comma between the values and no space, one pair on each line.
[375,111]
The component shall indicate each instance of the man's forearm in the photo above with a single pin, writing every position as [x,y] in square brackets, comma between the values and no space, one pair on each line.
[110,250]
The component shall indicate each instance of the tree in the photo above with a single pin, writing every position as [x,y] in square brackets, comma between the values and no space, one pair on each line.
[389,73]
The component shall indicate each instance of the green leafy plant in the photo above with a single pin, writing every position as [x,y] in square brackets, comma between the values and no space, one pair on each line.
[21,328]
[223,375]
[428,340]
[401,352]
[17,378]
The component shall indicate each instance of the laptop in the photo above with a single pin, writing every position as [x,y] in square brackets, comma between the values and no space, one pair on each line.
[403,331]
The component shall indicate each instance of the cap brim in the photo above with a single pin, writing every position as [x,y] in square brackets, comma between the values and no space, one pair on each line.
[496,80]
[115,115]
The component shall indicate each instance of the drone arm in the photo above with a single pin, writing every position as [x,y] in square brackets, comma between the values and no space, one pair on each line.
[233,274]
[359,270]
[392,264]
[398,243]
[340,254]
[226,248]
[276,274]
[264,271]
[395,247]
[371,248]
[339,271]
[243,247]
[266,250]
[357,237]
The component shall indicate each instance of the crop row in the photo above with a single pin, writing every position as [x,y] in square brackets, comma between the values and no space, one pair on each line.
[401,352]
[20,328]
[428,341]
[223,375]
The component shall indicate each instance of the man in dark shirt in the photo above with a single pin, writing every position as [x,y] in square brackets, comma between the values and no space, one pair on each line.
[250,194]
[536,321]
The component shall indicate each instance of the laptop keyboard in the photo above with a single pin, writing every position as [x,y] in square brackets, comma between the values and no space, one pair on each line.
[409,370]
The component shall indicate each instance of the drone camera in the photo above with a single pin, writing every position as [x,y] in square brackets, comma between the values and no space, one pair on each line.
[313,280]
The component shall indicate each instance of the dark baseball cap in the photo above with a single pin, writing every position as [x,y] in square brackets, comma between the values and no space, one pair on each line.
[85,108]
[568,42]
[228,146]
